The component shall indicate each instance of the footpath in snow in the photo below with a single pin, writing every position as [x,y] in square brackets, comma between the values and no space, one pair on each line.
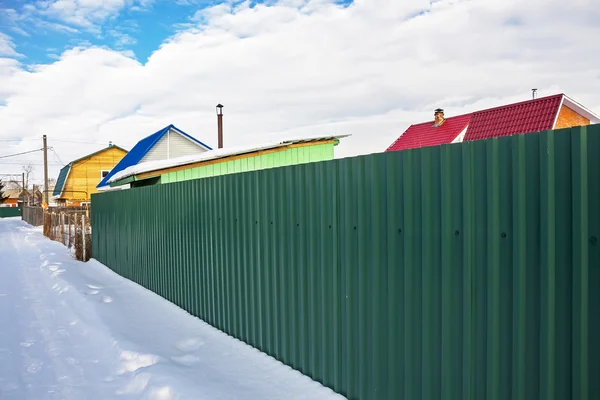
[70,330]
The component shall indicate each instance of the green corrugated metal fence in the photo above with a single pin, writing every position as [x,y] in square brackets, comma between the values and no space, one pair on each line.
[468,271]
[7,212]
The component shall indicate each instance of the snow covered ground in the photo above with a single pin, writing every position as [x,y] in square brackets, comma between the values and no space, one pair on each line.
[70,330]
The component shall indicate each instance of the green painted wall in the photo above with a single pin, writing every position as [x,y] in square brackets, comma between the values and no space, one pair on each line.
[462,272]
[292,156]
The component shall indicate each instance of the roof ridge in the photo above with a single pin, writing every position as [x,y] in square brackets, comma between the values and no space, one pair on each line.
[110,146]
[520,103]
[446,119]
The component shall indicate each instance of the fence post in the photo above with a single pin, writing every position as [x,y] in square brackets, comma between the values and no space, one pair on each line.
[83,236]
[62,228]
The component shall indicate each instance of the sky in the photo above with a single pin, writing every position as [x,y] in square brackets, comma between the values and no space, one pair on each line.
[89,72]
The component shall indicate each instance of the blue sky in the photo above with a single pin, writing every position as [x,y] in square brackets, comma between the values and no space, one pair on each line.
[134,26]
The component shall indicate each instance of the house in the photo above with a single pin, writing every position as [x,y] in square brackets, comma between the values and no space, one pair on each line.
[545,113]
[37,197]
[168,143]
[18,197]
[228,161]
[14,198]
[77,180]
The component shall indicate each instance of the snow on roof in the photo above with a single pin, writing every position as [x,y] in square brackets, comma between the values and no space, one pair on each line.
[13,193]
[142,148]
[213,155]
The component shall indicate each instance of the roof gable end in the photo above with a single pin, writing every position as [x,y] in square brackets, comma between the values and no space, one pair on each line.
[581,110]
[64,172]
[137,153]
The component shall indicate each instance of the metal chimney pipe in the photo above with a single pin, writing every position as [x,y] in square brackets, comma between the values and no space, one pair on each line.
[533,93]
[220,124]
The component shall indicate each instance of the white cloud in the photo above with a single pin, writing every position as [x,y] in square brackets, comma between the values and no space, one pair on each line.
[72,14]
[29,20]
[54,26]
[20,31]
[199,2]
[7,47]
[310,67]
[122,39]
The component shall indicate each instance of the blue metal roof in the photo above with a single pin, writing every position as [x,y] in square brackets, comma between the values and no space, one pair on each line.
[62,179]
[142,148]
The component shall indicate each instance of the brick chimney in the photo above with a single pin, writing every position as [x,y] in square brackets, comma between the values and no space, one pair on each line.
[438,117]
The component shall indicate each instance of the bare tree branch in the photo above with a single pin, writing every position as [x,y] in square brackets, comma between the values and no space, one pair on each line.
[28,170]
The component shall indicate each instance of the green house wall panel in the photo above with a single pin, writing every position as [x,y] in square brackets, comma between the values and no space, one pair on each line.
[291,156]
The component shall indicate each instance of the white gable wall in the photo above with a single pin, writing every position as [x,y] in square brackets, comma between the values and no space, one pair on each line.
[172,145]
[182,146]
[159,151]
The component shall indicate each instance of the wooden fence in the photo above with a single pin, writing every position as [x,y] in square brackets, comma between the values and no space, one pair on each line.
[70,226]
[34,216]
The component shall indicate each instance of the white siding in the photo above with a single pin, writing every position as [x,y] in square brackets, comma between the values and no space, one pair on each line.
[181,146]
[172,145]
[158,152]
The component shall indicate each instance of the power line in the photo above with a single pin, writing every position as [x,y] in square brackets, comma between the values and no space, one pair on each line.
[30,163]
[57,156]
[75,141]
[54,140]
[18,154]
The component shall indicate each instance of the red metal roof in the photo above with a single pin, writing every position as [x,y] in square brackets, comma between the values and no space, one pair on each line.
[525,117]
[425,134]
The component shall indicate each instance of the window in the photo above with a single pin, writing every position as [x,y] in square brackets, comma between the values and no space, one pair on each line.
[104,173]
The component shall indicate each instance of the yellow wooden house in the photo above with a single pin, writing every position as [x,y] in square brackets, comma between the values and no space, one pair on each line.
[77,180]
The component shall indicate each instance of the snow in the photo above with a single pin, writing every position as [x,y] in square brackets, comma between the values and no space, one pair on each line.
[72,330]
[212,155]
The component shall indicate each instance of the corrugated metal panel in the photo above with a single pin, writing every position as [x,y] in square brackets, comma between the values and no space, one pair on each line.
[62,179]
[7,212]
[458,272]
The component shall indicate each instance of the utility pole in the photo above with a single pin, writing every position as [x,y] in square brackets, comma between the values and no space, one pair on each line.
[46,197]
[24,189]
